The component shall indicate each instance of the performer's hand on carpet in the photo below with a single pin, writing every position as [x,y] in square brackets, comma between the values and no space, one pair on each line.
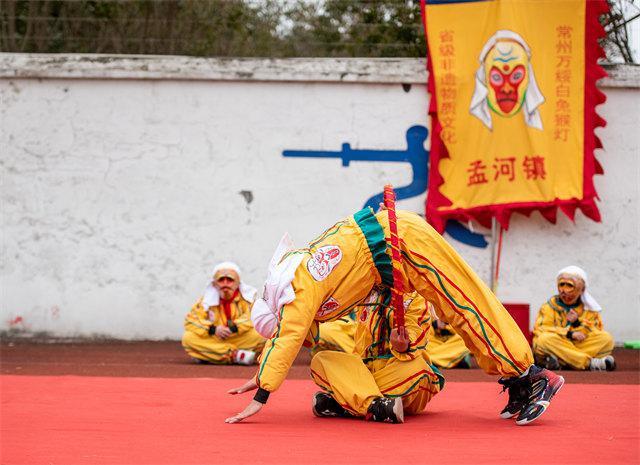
[251,409]
[248,386]
[399,342]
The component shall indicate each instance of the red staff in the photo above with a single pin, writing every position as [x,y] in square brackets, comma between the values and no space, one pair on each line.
[396,260]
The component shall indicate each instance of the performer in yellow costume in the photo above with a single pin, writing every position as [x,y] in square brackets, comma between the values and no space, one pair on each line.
[568,330]
[386,377]
[218,328]
[446,349]
[341,267]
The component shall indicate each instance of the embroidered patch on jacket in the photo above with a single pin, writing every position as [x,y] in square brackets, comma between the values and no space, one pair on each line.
[372,298]
[324,260]
[330,305]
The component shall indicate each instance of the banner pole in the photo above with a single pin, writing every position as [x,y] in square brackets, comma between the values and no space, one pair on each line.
[494,242]
[496,278]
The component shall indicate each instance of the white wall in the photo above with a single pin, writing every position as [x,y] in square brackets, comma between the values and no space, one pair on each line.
[121,185]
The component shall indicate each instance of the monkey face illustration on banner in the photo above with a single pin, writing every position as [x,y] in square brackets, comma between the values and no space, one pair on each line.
[505,82]
[506,71]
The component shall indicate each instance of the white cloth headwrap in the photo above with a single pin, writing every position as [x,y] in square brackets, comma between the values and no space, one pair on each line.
[587,299]
[533,98]
[211,296]
[278,290]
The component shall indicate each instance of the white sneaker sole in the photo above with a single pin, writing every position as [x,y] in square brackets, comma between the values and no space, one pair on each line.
[398,409]
[313,407]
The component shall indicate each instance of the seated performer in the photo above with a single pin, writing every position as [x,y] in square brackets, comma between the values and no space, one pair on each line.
[446,349]
[568,329]
[387,376]
[218,328]
[339,269]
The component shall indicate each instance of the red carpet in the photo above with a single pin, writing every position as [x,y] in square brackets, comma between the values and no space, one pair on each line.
[89,420]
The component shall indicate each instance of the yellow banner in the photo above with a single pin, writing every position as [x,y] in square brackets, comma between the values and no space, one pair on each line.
[509,87]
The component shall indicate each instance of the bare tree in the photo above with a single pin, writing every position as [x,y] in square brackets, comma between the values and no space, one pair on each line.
[616,21]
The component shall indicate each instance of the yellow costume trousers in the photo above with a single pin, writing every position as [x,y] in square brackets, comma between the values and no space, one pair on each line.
[215,350]
[446,352]
[355,385]
[573,353]
[433,268]
[336,335]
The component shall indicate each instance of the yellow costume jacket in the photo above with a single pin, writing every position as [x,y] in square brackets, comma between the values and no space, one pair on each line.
[339,269]
[199,319]
[552,318]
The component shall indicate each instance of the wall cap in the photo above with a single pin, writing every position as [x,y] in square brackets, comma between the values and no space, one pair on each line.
[164,67]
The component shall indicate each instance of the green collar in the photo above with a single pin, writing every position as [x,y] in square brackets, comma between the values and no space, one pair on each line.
[374,235]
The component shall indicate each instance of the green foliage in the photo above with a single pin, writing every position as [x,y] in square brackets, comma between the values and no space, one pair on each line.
[240,28]
[185,27]
[345,28]
[222,28]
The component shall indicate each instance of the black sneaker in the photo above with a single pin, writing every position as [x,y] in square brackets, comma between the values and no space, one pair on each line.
[466,362]
[323,405]
[542,385]
[386,409]
[551,362]
[518,396]
[610,362]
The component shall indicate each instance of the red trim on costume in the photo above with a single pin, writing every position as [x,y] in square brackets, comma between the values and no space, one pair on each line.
[406,380]
[327,383]
[419,338]
[426,309]
[428,389]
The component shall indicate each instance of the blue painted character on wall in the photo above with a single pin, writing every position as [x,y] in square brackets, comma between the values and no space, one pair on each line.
[417,156]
